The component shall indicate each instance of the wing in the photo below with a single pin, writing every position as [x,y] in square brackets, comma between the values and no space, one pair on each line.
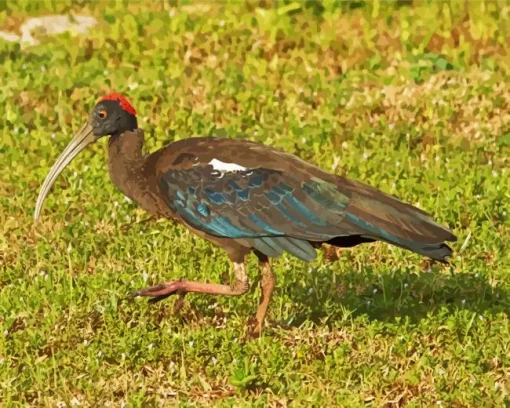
[273,210]
[276,202]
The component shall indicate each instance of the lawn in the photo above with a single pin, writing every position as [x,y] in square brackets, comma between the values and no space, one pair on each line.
[410,97]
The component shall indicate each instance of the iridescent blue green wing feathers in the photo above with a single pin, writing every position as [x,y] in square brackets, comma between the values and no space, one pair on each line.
[275,202]
[273,211]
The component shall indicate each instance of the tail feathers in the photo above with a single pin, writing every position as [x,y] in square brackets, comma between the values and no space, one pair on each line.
[380,216]
[440,252]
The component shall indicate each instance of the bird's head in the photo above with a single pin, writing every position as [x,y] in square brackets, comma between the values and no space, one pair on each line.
[111,116]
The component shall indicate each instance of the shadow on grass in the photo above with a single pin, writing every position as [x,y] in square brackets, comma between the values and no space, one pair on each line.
[329,298]
[325,298]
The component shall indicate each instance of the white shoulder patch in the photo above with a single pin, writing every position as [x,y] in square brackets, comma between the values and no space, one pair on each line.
[218,165]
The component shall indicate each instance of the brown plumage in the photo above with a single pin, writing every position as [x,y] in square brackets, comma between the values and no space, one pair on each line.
[246,197]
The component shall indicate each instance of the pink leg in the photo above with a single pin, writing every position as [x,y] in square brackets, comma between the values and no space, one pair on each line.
[267,283]
[163,290]
[239,287]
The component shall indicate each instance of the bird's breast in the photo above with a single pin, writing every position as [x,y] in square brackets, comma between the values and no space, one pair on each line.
[143,191]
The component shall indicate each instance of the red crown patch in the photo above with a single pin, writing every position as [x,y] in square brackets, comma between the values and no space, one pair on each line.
[124,103]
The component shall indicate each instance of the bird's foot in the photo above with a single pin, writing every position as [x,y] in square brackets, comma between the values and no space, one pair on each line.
[162,291]
[254,329]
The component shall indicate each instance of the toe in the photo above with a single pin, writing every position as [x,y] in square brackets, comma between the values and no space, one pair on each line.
[254,328]
[163,289]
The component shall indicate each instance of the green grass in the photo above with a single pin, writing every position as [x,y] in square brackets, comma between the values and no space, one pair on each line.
[412,99]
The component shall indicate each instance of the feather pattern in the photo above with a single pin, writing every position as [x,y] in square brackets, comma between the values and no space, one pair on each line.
[274,211]
[275,202]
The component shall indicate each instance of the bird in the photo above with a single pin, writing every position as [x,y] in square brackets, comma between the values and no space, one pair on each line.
[247,198]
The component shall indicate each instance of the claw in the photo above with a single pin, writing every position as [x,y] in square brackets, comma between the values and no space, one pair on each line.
[254,328]
[134,293]
[162,291]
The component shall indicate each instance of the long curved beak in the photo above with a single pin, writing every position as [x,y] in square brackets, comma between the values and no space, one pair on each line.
[82,139]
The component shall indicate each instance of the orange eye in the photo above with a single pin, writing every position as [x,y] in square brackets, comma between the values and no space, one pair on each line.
[102,114]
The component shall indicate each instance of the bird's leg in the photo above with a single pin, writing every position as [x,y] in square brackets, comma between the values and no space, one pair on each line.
[267,282]
[181,287]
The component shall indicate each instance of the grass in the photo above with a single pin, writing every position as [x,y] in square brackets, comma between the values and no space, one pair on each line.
[410,97]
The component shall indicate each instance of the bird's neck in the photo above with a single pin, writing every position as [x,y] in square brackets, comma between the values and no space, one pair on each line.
[125,161]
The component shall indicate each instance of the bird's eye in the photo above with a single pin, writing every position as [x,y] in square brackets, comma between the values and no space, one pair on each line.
[102,114]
